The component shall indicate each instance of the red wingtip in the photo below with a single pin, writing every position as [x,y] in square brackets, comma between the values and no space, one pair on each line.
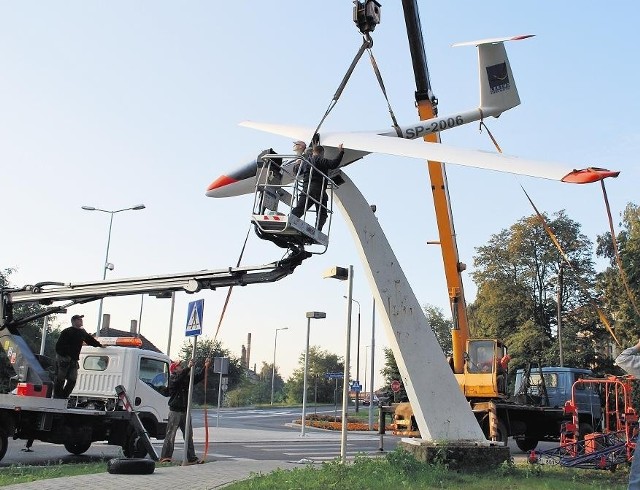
[221,181]
[589,175]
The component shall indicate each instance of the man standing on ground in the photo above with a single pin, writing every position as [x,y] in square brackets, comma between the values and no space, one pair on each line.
[629,360]
[67,355]
[178,399]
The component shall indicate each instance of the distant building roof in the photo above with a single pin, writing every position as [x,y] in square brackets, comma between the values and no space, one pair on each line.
[112,332]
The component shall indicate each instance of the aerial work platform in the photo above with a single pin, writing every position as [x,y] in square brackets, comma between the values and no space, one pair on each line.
[280,188]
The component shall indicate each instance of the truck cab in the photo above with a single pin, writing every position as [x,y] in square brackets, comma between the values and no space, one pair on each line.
[552,387]
[144,374]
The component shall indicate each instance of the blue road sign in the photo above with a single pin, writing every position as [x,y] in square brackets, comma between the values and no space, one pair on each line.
[194,318]
[334,375]
[356,386]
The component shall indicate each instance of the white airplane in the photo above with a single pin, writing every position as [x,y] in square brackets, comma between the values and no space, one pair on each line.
[498,93]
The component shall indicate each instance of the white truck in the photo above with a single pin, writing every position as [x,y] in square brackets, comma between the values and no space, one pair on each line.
[94,412]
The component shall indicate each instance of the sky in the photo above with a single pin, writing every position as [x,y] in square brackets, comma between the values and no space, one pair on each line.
[114,104]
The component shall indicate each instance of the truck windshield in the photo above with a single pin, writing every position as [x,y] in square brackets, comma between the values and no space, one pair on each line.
[155,373]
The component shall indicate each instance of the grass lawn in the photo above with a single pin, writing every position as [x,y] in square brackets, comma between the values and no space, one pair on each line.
[400,470]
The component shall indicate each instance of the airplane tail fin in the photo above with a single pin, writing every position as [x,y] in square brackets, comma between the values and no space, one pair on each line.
[498,91]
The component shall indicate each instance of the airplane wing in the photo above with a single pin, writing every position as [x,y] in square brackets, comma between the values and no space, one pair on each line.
[368,142]
[294,132]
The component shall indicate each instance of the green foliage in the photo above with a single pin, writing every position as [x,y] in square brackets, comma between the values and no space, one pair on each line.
[390,372]
[400,470]
[208,348]
[404,462]
[518,274]
[320,363]
[610,284]
[257,390]
[24,474]
[440,326]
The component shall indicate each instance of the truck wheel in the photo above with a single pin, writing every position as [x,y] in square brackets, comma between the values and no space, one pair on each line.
[584,429]
[525,445]
[503,433]
[134,447]
[77,447]
[133,466]
[4,444]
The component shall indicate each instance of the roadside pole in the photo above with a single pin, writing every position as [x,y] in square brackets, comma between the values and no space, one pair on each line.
[220,366]
[193,329]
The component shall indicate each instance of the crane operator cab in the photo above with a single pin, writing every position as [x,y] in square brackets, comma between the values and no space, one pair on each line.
[290,208]
[486,365]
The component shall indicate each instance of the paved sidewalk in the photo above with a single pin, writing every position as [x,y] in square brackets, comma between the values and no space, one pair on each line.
[212,474]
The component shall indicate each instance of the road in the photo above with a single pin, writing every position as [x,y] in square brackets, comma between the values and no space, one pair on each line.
[258,434]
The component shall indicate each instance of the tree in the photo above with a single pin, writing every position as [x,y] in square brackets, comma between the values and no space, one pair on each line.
[391,372]
[610,284]
[440,326]
[517,275]
[257,390]
[209,348]
[320,363]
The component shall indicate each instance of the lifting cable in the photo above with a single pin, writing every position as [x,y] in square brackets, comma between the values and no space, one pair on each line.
[482,124]
[565,257]
[555,241]
[616,251]
[367,44]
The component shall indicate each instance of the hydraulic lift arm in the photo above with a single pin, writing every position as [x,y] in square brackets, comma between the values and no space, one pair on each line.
[28,367]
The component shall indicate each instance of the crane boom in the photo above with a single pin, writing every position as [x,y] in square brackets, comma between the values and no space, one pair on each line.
[428,108]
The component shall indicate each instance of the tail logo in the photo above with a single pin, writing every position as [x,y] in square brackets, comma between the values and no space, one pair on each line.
[498,78]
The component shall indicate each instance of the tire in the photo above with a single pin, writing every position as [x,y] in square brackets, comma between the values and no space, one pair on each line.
[503,433]
[134,447]
[4,445]
[525,445]
[584,429]
[77,447]
[133,466]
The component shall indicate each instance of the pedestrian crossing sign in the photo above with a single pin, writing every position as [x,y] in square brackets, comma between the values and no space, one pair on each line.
[194,318]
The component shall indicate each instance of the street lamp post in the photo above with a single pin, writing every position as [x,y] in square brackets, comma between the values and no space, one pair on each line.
[310,315]
[373,357]
[357,355]
[273,367]
[344,274]
[366,363]
[107,265]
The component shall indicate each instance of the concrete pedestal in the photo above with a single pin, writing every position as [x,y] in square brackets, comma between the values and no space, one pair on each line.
[458,456]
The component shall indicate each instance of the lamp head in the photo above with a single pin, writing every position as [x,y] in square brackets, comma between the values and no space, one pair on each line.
[138,207]
[88,208]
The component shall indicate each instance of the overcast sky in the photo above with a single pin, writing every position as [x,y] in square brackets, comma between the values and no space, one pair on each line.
[112,104]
